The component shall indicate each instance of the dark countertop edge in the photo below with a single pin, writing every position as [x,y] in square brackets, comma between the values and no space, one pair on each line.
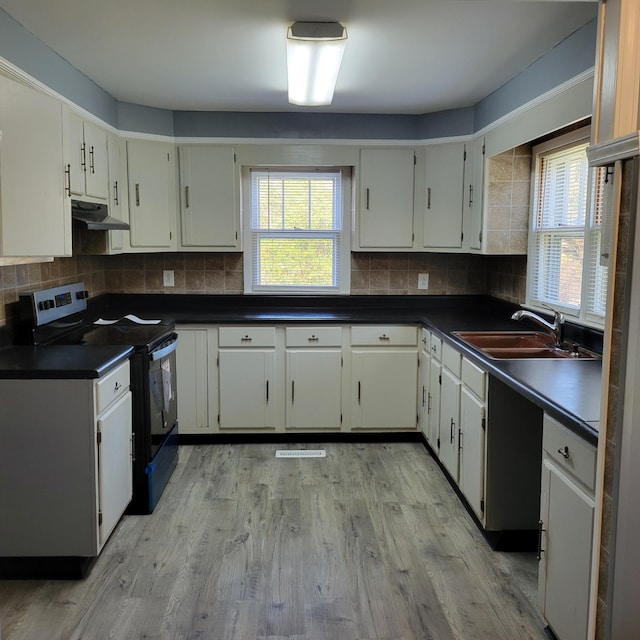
[82,371]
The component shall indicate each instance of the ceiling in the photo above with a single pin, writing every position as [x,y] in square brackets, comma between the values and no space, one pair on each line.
[402,56]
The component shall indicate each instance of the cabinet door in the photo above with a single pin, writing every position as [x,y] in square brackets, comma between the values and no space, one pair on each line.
[246,388]
[384,385]
[472,447]
[473,202]
[433,404]
[118,196]
[210,216]
[192,359]
[386,198]
[449,421]
[151,193]
[35,212]
[444,185]
[424,387]
[565,569]
[115,479]
[314,389]
[96,168]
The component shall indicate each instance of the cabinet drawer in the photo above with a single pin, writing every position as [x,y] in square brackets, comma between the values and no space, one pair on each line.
[384,335]
[425,340]
[247,337]
[569,451]
[313,336]
[436,347]
[452,359]
[474,378]
[111,386]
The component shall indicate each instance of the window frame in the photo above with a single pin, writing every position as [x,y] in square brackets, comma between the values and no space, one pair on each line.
[584,314]
[344,250]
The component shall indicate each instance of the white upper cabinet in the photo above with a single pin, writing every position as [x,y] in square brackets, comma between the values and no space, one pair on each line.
[87,157]
[473,196]
[209,202]
[386,193]
[152,194]
[118,195]
[35,210]
[445,165]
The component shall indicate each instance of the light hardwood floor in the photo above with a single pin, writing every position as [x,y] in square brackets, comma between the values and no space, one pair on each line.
[369,543]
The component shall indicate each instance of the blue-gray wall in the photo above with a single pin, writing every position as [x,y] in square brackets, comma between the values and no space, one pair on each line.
[569,58]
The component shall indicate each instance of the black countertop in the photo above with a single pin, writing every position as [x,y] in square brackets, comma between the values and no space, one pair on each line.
[72,362]
[569,390]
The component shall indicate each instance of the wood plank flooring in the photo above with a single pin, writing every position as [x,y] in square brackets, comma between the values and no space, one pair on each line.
[369,543]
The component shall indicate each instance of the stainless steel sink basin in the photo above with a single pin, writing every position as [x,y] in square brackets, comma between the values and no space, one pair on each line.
[521,344]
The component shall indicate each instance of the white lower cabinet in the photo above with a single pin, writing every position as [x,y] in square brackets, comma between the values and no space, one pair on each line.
[64,496]
[195,377]
[247,389]
[473,409]
[566,530]
[313,378]
[424,380]
[384,376]
[450,409]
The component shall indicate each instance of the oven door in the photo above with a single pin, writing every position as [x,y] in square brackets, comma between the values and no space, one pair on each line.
[162,389]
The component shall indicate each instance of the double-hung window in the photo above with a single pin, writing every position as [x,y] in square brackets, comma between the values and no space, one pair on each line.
[297,240]
[565,270]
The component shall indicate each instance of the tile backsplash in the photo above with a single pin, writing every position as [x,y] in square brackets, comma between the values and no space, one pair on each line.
[222,273]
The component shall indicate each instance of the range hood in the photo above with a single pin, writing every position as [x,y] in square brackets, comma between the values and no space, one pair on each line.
[89,215]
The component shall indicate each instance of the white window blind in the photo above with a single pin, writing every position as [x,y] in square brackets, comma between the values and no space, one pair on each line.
[296,231]
[564,267]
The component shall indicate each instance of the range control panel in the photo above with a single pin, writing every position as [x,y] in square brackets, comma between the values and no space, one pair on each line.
[52,304]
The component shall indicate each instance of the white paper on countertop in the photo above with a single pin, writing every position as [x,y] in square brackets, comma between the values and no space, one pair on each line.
[129,316]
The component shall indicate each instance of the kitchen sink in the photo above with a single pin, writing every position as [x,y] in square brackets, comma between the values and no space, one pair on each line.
[521,344]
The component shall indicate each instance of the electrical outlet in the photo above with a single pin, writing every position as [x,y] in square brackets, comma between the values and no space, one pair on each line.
[167,278]
[423,281]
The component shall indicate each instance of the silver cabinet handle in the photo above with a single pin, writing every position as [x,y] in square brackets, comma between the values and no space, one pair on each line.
[470,196]
[429,198]
[384,337]
[67,175]
[459,440]
[367,205]
[117,386]
[359,391]
[293,391]
[83,159]
[116,197]
[92,164]
[186,197]
[429,402]
[453,427]
[246,339]
[137,194]
[314,338]
[267,391]
[564,452]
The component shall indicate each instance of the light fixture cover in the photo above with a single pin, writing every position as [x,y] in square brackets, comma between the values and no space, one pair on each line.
[314,54]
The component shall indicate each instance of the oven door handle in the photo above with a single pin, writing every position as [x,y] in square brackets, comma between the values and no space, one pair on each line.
[166,350]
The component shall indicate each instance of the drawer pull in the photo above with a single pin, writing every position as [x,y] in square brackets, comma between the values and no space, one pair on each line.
[384,337]
[314,339]
[564,452]
[424,341]
[246,339]
[117,386]
[434,349]
[540,532]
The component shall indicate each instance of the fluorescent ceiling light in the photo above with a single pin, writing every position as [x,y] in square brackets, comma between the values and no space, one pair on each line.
[314,54]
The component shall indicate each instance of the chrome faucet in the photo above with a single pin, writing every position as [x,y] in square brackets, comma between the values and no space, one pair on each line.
[556,330]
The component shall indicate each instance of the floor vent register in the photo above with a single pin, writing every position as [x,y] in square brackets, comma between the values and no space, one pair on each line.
[301,453]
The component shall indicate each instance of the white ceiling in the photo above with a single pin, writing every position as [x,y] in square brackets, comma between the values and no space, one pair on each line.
[402,56]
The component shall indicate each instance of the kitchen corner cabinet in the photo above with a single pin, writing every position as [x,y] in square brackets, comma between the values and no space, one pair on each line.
[567,510]
[35,210]
[118,194]
[385,199]
[384,377]
[313,377]
[152,195]
[66,496]
[196,379]
[209,201]
[248,392]
[87,158]
[445,166]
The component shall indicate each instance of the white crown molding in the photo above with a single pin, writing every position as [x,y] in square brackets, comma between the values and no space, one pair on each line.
[608,152]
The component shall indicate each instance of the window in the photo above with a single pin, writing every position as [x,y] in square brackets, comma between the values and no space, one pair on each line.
[297,240]
[565,268]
